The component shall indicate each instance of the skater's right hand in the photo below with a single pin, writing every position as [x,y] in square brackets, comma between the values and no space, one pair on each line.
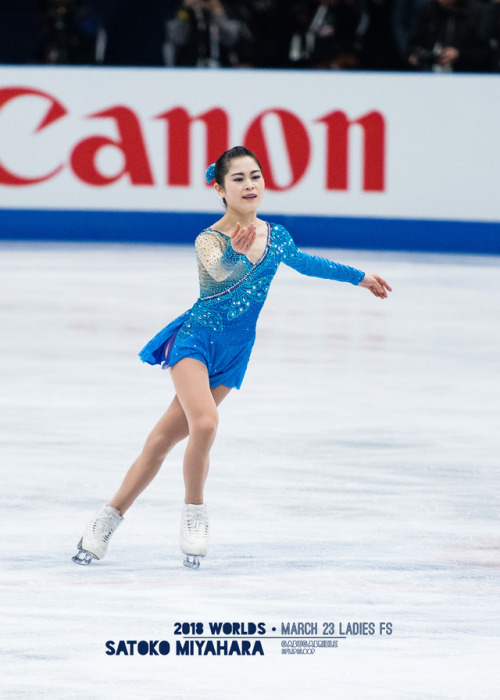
[242,239]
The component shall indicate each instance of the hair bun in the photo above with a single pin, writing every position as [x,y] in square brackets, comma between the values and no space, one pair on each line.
[210,173]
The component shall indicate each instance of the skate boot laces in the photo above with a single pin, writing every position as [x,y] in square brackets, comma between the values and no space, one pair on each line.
[196,523]
[194,530]
[100,529]
[104,526]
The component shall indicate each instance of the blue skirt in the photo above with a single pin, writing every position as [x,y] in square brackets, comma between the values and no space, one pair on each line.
[226,364]
[157,351]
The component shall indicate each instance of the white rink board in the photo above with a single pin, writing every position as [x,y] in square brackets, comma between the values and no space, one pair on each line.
[441,147]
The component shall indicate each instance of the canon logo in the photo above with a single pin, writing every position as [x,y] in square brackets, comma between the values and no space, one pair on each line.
[136,165]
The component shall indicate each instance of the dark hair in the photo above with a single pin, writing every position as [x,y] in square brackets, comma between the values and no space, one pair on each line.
[224,161]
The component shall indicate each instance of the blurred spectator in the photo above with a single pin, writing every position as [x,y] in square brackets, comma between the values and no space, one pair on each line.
[114,32]
[208,34]
[404,24]
[70,32]
[324,34]
[21,31]
[270,27]
[378,47]
[300,44]
[452,35]
[133,31]
[495,35]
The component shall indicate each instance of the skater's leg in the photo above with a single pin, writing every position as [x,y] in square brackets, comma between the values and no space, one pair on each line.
[170,429]
[199,402]
[193,411]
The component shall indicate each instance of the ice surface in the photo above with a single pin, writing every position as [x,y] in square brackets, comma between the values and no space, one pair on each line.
[354,478]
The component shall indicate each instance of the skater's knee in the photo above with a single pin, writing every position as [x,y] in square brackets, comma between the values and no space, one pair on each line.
[158,446]
[205,426]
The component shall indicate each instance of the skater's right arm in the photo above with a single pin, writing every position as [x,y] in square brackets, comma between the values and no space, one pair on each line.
[215,256]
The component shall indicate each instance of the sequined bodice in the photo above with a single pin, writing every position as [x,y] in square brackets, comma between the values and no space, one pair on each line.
[233,290]
[219,267]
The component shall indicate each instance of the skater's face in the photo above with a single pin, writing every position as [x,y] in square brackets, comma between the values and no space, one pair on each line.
[243,185]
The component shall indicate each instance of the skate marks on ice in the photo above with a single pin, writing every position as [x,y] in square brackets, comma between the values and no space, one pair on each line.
[353,477]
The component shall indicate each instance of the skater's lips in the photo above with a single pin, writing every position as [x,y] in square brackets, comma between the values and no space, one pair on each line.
[249,196]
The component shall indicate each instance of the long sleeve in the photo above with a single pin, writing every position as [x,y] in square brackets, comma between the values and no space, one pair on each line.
[315,266]
[219,263]
[219,267]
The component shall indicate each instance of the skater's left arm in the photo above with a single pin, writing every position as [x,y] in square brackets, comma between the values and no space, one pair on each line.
[316,266]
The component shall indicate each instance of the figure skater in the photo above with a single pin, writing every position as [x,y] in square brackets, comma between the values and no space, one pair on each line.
[208,347]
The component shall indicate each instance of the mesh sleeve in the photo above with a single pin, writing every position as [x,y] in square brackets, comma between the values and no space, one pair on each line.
[217,261]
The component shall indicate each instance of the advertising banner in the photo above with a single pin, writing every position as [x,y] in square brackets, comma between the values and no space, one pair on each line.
[396,160]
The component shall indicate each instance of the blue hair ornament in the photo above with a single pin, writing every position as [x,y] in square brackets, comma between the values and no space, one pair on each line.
[210,173]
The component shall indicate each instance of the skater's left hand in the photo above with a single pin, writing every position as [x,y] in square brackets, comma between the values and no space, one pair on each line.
[376,285]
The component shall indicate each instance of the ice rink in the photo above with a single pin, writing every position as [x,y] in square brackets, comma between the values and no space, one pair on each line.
[354,479]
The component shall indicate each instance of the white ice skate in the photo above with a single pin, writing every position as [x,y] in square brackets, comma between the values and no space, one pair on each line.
[194,534]
[95,539]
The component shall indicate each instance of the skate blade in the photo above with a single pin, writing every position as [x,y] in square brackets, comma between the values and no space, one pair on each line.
[192,561]
[82,557]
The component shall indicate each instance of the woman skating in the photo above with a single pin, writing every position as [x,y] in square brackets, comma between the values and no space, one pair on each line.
[208,347]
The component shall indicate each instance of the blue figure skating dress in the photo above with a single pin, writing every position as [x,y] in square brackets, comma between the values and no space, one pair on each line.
[219,330]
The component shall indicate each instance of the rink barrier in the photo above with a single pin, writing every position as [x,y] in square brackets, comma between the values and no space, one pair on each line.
[308,231]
